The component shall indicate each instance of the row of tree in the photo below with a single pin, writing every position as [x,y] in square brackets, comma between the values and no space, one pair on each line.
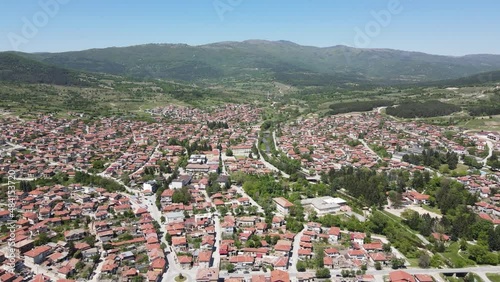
[433,158]
[366,185]
[217,124]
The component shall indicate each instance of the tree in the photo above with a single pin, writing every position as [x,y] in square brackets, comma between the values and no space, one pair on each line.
[378,266]
[78,254]
[42,239]
[463,244]
[424,261]
[396,199]
[90,240]
[229,152]
[319,255]
[79,265]
[387,247]
[436,261]
[230,268]
[96,258]
[168,238]
[181,196]
[323,273]
[71,248]
[397,263]
[301,266]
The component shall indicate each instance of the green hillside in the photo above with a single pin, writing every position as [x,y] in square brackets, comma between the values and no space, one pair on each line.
[280,61]
[15,68]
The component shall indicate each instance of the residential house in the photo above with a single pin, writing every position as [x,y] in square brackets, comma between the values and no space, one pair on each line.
[207,275]
[282,205]
[37,255]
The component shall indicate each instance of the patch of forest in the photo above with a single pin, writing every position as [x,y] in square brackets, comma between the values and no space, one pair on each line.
[487,108]
[357,106]
[17,69]
[431,108]
[433,159]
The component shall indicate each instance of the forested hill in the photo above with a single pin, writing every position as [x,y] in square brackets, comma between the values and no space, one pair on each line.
[472,80]
[281,61]
[18,69]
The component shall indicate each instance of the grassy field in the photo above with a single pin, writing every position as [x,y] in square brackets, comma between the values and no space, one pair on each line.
[431,209]
[458,259]
[482,123]
[413,262]
[494,277]
[461,279]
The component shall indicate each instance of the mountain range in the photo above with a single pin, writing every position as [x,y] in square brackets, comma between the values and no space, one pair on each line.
[251,60]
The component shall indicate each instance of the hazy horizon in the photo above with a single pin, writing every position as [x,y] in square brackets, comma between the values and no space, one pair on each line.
[229,41]
[442,28]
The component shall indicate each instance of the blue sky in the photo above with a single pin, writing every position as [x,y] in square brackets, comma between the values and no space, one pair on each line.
[449,27]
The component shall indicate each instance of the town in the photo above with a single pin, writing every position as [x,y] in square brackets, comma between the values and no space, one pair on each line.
[225,195]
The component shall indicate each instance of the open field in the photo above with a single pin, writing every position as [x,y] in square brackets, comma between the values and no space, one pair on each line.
[431,209]
[482,123]
[457,257]
[494,277]
[419,209]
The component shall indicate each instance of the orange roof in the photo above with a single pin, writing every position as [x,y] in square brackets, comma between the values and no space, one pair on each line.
[37,251]
[130,272]
[179,241]
[424,278]
[334,231]
[283,202]
[258,278]
[204,256]
[279,276]
[241,259]
[328,260]
[400,276]
[185,259]
[159,263]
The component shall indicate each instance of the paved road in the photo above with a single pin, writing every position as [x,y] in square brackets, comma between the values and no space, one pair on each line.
[240,190]
[268,165]
[218,238]
[379,274]
[97,270]
[490,153]
[393,250]
[153,154]
[369,149]
[295,251]
[174,268]
[218,235]
[274,140]
[149,202]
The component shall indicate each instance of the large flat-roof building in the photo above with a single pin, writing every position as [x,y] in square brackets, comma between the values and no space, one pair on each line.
[323,205]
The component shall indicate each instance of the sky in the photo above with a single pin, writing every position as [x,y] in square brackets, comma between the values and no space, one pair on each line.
[446,27]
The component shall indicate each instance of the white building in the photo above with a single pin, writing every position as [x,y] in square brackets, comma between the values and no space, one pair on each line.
[283,205]
[323,205]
